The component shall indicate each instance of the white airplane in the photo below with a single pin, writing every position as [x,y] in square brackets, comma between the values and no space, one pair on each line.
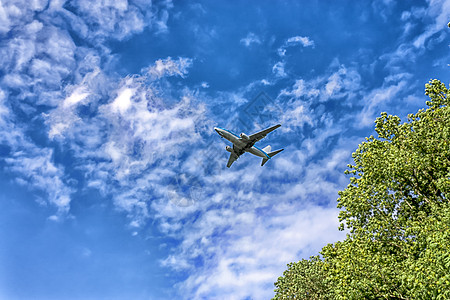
[246,143]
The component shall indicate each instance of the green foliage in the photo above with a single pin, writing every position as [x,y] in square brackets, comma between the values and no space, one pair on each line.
[303,280]
[397,211]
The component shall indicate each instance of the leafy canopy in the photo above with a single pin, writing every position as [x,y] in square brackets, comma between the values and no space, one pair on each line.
[397,211]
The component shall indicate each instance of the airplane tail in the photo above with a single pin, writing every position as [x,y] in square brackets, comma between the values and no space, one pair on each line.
[271,154]
[267,149]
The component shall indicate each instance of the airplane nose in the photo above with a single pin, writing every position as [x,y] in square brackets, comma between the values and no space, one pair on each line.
[218,131]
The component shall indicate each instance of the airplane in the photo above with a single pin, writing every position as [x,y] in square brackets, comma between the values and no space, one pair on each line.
[246,143]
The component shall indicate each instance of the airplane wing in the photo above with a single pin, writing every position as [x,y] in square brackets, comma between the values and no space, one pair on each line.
[262,134]
[232,159]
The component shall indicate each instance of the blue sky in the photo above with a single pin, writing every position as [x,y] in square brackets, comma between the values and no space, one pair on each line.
[113,183]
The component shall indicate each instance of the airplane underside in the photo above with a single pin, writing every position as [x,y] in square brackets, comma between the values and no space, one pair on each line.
[244,143]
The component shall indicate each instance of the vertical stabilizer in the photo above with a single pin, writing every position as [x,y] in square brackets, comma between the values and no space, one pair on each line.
[267,149]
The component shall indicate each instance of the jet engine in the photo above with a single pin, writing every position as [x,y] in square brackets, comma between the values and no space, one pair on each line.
[229,149]
[244,136]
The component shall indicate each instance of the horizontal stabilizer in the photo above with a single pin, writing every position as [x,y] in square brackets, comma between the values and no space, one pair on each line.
[271,154]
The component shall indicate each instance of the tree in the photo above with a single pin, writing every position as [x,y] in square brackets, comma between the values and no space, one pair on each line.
[397,211]
[303,280]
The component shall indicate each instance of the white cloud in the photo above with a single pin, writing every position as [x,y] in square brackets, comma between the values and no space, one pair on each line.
[278,69]
[123,100]
[304,41]
[129,142]
[35,168]
[296,117]
[13,13]
[31,165]
[439,12]
[117,19]
[434,19]
[64,117]
[169,67]
[302,89]
[37,60]
[392,88]
[383,8]
[75,98]
[44,66]
[340,82]
[245,242]
[250,39]
[41,56]
[4,111]
[4,20]
[299,40]
[343,82]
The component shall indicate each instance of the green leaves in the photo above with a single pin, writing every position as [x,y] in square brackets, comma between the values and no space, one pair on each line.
[438,94]
[397,210]
[303,280]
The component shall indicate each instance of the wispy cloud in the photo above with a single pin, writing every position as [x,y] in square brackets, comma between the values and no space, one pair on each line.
[295,41]
[32,165]
[414,44]
[299,40]
[169,67]
[42,54]
[439,12]
[340,82]
[142,135]
[393,87]
[115,20]
[44,66]
[278,69]
[250,39]
[243,260]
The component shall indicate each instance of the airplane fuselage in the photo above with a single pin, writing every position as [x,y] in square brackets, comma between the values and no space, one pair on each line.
[240,143]
[246,143]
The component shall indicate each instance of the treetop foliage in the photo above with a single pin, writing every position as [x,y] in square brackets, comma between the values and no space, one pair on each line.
[397,211]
